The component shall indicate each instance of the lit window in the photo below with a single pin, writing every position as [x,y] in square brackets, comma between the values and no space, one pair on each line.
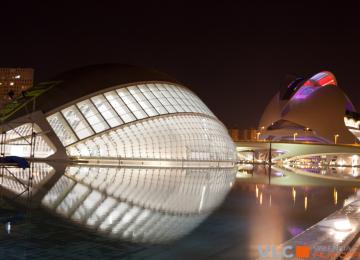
[61,129]
[120,107]
[131,103]
[180,138]
[107,111]
[77,122]
[92,116]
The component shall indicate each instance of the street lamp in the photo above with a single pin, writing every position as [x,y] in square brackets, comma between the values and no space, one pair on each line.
[295,134]
[336,138]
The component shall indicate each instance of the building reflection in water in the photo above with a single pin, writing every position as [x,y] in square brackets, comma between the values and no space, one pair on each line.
[147,205]
[160,205]
[15,180]
[290,197]
[299,185]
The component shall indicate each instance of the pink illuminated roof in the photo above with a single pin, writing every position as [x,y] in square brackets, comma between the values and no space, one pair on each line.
[321,79]
[324,78]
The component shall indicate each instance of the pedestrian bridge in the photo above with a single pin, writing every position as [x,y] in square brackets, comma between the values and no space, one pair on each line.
[293,150]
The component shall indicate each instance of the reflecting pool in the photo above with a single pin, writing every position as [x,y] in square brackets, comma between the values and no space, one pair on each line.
[89,212]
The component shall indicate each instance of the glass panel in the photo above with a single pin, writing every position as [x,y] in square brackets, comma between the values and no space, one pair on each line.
[168,96]
[182,137]
[186,98]
[114,215]
[152,99]
[195,102]
[83,149]
[61,129]
[19,138]
[72,199]
[112,151]
[144,103]
[179,98]
[87,206]
[77,122]
[131,103]
[120,106]
[107,111]
[179,105]
[92,116]
[163,100]
[102,211]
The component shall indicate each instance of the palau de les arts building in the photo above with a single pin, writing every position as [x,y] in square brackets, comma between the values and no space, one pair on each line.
[119,115]
[311,110]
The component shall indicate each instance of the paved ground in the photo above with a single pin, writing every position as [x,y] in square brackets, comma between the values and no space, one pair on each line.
[335,236]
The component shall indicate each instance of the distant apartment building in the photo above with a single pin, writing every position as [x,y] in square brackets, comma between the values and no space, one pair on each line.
[242,134]
[13,81]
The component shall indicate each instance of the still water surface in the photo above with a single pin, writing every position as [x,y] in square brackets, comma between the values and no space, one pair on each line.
[115,213]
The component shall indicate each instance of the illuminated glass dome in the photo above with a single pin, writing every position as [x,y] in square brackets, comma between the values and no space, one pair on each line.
[117,112]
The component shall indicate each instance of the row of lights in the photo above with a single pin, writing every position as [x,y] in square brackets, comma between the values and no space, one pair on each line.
[341,227]
[11,82]
[336,136]
[259,197]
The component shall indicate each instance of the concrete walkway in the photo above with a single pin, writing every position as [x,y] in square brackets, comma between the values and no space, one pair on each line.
[335,237]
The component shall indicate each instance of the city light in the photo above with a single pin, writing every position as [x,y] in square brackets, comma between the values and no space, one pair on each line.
[8,227]
[293,193]
[258,135]
[270,200]
[343,225]
[354,160]
[295,134]
[335,195]
[202,198]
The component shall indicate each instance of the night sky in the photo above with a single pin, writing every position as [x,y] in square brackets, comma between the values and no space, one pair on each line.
[233,54]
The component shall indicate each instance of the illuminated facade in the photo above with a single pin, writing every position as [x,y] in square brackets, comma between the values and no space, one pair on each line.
[243,134]
[14,80]
[114,112]
[311,110]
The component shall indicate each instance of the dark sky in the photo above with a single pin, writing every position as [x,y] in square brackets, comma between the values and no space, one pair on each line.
[233,54]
